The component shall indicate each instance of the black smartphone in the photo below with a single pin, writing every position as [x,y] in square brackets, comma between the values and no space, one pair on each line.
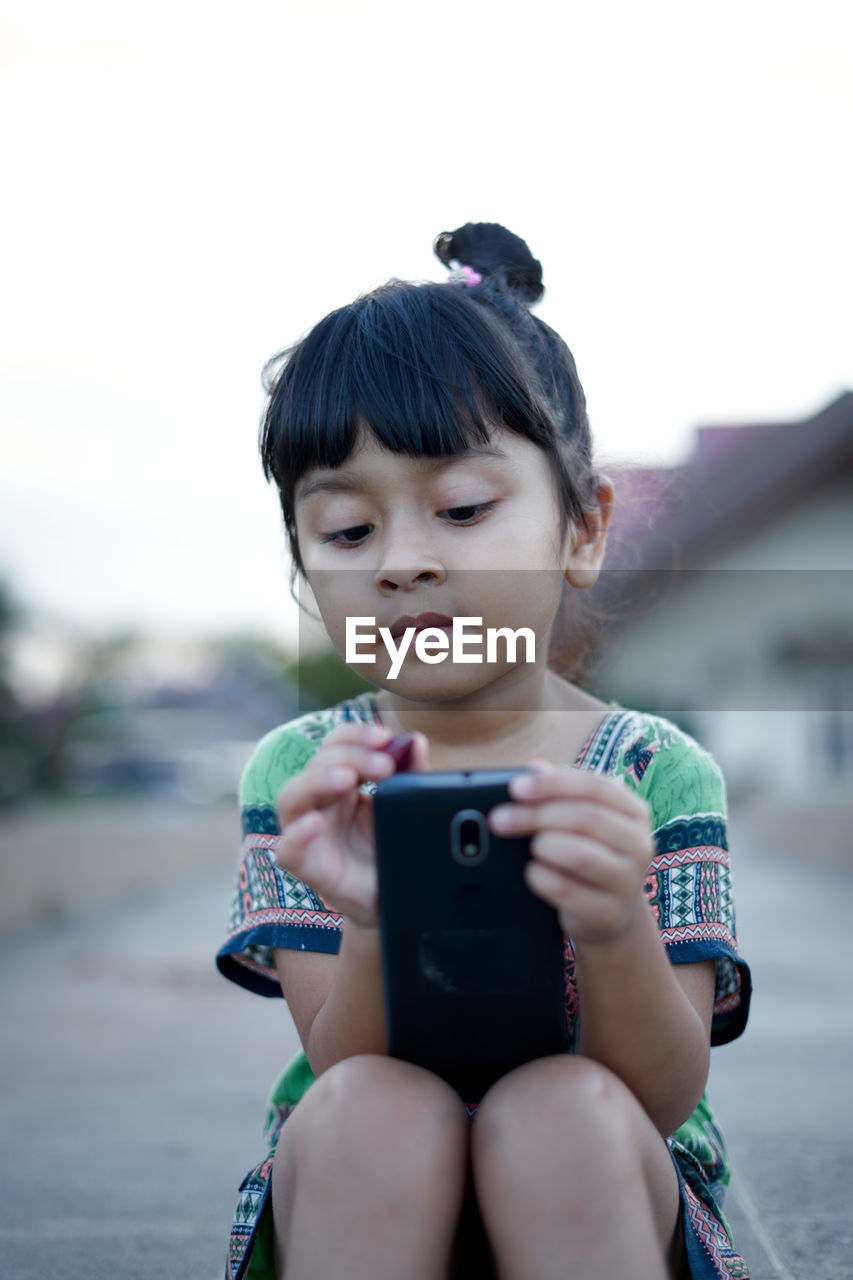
[472,960]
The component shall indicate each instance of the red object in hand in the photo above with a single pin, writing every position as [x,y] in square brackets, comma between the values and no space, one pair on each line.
[400,750]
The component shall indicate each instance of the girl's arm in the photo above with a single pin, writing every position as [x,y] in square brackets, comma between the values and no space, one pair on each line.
[646,1019]
[336,1001]
[328,841]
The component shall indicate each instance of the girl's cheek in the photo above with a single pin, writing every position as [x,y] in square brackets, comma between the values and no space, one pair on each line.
[336,595]
[334,616]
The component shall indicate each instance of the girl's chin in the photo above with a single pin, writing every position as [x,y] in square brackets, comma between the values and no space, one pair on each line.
[418,682]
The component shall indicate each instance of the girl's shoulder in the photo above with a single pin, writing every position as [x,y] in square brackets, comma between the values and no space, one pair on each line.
[660,761]
[286,750]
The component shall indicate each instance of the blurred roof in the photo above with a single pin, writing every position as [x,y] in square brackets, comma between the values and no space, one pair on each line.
[737,480]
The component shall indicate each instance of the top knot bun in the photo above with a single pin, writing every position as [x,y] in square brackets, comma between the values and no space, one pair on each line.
[493,251]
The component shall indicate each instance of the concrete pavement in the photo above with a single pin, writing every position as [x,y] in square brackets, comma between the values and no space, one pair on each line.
[782,1092]
[134,1079]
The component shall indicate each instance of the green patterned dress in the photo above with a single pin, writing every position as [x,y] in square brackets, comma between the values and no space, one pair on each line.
[688,888]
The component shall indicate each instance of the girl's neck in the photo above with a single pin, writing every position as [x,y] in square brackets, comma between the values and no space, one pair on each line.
[554,723]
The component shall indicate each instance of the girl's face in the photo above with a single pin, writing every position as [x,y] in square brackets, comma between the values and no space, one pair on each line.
[478,534]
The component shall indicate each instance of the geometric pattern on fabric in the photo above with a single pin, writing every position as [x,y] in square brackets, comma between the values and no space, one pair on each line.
[714,1239]
[691,887]
[688,887]
[709,1247]
[685,792]
[271,907]
[682,894]
[268,898]
[254,1190]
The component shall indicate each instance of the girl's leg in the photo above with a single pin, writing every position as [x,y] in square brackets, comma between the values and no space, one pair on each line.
[572,1177]
[369,1175]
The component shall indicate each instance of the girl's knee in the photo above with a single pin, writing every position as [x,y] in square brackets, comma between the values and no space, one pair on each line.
[375,1102]
[372,1137]
[558,1144]
[555,1100]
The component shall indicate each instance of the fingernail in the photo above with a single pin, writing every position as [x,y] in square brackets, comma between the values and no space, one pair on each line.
[523,785]
[501,817]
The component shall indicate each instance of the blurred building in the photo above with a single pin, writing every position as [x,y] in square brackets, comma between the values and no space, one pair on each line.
[179,718]
[730,580]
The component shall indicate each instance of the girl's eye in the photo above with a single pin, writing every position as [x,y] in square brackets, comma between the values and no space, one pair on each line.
[349,537]
[467,515]
[357,533]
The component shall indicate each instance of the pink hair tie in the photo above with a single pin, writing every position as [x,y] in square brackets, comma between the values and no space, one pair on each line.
[463,274]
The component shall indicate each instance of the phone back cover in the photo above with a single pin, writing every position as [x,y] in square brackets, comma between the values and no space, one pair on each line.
[472,959]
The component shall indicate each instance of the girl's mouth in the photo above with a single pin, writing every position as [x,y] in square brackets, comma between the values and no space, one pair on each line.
[420,623]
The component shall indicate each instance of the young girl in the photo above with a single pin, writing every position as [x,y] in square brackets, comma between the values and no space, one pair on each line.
[431,449]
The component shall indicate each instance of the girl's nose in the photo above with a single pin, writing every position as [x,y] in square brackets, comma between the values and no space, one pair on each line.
[408,561]
[390,580]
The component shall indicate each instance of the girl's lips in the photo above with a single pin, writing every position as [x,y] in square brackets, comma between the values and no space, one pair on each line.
[422,621]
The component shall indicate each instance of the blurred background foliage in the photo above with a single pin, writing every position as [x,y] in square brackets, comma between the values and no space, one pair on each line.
[86,716]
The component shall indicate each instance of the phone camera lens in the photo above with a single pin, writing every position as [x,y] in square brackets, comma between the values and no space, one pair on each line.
[469,839]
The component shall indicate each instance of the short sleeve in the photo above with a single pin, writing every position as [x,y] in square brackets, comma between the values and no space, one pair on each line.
[270,907]
[689,881]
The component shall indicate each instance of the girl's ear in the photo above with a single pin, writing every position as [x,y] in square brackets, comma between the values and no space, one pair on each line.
[302,593]
[588,542]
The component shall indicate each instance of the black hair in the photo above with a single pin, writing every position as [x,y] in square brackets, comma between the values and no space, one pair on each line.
[431,368]
[491,250]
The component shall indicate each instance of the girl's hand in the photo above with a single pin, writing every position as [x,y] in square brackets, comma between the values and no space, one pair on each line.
[327,822]
[590,849]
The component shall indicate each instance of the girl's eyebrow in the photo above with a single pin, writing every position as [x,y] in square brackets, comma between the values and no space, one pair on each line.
[338,482]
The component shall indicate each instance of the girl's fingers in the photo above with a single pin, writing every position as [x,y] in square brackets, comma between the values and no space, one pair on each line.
[576,784]
[368,735]
[305,828]
[419,760]
[540,765]
[330,774]
[586,913]
[292,850]
[607,827]
[584,860]
[309,850]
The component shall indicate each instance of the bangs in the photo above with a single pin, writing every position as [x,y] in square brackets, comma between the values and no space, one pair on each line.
[428,373]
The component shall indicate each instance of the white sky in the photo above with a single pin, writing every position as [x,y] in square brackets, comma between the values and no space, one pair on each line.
[188,187]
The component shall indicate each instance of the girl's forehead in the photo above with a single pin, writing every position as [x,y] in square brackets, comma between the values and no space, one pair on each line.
[369,447]
[370,458]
